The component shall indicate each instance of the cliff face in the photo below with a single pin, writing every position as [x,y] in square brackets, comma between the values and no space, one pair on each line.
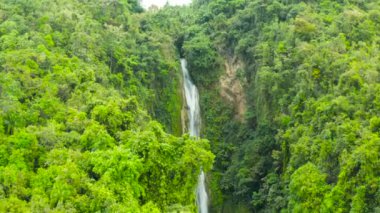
[231,87]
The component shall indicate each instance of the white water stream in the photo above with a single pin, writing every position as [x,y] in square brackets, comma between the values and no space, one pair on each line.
[192,100]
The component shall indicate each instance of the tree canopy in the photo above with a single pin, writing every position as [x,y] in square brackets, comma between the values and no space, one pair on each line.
[81,98]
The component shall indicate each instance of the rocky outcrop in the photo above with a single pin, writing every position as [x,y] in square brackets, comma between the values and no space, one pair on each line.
[231,87]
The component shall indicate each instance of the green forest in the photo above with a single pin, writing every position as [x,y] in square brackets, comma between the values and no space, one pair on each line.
[92,107]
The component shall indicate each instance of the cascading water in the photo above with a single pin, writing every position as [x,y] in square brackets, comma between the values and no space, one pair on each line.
[192,100]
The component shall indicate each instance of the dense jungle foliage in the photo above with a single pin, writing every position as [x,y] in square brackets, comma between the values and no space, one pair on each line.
[310,141]
[81,85]
[90,102]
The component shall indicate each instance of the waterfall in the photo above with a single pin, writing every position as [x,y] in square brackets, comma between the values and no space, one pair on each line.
[192,100]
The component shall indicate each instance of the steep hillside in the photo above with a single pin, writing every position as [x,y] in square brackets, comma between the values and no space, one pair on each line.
[310,139]
[91,99]
[81,83]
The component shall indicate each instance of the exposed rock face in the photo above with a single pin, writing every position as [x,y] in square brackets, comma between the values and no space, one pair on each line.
[184,119]
[231,88]
[184,113]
